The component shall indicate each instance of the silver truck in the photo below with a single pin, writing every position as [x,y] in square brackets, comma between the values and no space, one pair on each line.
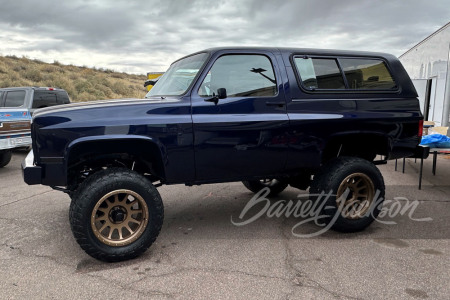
[14,132]
[32,97]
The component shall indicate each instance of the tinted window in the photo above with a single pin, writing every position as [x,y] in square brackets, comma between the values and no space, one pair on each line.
[15,98]
[367,74]
[63,98]
[319,73]
[177,79]
[241,76]
[44,99]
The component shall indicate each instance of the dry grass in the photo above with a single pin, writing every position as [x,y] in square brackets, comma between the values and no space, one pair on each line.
[82,83]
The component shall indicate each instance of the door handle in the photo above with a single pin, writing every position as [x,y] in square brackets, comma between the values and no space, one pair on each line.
[275,103]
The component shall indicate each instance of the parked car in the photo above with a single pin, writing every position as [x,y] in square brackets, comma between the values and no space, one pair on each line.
[14,132]
[270,117]
[32,97]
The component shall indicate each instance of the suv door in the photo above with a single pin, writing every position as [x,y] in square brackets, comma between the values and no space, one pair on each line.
[242,135]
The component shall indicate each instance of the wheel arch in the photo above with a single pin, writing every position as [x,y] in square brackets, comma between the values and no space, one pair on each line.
[147,151]
[360,144]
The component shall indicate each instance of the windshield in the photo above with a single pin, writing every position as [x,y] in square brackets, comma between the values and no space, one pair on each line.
[178,77]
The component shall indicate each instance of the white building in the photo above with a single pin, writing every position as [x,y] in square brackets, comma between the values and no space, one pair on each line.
[427,63]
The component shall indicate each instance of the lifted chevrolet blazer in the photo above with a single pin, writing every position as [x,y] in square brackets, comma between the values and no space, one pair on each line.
[269,117]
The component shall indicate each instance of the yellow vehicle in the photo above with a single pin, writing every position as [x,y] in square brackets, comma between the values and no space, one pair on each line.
[152,77]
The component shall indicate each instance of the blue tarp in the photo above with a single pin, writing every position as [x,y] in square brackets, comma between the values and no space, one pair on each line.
[436,141]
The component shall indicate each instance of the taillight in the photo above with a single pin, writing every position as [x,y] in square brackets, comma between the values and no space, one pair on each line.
[420,133]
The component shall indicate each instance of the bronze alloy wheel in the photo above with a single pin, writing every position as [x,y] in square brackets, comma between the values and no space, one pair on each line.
[119,218]
[361,192]
[268,182]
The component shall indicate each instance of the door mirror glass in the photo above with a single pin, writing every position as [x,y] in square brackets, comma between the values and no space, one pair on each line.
[221,93]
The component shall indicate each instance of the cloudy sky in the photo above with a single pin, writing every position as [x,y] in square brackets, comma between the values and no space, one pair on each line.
[146,36]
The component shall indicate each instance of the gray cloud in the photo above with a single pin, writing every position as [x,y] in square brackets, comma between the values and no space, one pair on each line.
[123,33]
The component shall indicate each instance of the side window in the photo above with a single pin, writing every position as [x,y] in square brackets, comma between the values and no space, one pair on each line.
[242,76]
[43,99]
[360,73]
[367,74]
[63,98]
[15,98]
[319,73]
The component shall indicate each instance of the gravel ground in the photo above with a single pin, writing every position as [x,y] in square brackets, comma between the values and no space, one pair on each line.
[200,254]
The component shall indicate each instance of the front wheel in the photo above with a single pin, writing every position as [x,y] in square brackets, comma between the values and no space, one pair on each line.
[276,186]
[116,214]
[353,191]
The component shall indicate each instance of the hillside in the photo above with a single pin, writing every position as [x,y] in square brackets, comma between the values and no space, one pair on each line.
[82,83]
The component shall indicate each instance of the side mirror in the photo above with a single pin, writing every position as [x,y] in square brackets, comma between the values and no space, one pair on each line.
[221,94]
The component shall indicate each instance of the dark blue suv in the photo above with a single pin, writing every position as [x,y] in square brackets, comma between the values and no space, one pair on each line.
[269,117]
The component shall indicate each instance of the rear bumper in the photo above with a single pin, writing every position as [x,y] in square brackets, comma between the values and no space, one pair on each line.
[12,141]
[421,152]
[31,173]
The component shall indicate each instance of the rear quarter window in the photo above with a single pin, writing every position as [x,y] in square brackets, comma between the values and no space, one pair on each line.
[365,74]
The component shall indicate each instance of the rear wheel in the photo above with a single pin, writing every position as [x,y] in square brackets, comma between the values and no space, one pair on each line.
[357,193]
[116,214]
[5,158]
[276,186]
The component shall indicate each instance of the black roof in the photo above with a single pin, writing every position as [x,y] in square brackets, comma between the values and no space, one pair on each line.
[406,87]
[303,50]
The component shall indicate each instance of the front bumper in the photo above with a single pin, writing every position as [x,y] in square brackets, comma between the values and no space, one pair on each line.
[31,173]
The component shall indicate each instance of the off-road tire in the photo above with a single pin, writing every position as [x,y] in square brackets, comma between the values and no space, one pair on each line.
[333,175]
[85,203]
[274,185]
[5,158]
